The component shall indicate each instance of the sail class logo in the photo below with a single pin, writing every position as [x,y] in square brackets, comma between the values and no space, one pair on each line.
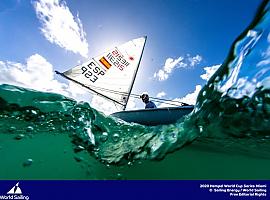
[15,193]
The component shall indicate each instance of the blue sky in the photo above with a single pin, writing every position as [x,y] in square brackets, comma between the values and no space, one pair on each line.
[186,38]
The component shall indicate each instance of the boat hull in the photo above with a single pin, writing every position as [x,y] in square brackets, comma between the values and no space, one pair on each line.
[154,117]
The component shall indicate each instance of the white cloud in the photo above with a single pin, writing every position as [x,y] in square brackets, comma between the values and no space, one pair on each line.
[195,60]
[168,67]
[161,75]
[209,72]
[37,73]
[189,98]
[103,105]
[192,97]
[59,26]
[108,107]
[131,105]
[171,64]
[161,94]
[76,90]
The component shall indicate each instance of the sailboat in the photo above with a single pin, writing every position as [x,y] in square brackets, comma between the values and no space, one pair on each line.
[112,74]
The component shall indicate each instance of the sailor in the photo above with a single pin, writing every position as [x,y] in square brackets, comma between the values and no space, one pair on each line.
[148,103]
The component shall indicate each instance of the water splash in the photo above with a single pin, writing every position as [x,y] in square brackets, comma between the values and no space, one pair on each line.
[236,98]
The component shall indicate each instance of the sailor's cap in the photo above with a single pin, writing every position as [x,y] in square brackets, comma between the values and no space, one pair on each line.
[144,93]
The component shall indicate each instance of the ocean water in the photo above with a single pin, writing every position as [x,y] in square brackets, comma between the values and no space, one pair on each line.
[227,136]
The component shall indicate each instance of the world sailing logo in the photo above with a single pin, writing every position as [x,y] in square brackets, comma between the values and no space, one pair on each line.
[15,193]
[15,190]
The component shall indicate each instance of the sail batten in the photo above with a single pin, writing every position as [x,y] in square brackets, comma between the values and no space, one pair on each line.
[114,70]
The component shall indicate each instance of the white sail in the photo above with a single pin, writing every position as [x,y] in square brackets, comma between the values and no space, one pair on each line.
[111,74]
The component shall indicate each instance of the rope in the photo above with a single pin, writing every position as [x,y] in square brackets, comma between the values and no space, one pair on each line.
[155,99]
[166,101]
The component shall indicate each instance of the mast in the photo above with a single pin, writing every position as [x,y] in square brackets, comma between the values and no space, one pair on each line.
[135,74]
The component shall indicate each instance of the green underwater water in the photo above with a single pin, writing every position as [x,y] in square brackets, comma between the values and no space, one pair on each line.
[227,136]
[54,157]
